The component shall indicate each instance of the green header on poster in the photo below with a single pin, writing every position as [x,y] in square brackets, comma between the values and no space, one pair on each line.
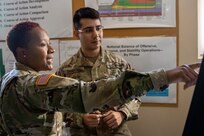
[2,67]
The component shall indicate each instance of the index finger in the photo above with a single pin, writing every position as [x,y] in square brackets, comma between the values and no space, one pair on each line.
[95,116]
[195,65]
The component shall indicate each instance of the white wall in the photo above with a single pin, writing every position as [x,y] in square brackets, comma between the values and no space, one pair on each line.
[169,121]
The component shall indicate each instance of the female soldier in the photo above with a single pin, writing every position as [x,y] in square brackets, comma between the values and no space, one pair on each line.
[32,103]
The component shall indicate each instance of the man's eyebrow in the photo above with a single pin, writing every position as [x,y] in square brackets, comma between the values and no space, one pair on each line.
[88,27]
[91,26]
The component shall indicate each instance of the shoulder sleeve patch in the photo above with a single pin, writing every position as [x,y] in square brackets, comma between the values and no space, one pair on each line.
[43,79]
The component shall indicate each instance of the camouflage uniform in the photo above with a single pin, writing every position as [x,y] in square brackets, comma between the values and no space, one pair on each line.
[107,64]
[29,100]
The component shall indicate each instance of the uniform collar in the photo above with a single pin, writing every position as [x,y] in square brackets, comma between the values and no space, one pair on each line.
[83,61]
[20,66]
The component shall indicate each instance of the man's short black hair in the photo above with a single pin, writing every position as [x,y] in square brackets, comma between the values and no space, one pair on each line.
[85,12]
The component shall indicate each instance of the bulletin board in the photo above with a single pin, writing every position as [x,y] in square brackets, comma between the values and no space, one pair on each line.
[139,32]
[153,35]
[41,11]
[135,32]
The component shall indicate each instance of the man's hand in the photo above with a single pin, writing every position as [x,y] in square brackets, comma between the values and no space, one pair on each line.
[113,118]
[184,73]
[92,119]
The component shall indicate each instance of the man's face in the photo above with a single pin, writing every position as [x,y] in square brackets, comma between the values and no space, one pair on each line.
[90,34]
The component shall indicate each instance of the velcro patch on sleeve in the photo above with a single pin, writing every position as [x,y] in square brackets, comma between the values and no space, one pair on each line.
[43,79]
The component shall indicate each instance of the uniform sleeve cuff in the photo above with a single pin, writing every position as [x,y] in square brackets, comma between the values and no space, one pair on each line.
[159,79]
[77,120]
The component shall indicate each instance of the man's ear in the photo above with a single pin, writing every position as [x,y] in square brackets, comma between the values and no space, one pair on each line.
[76,34]
[21,54]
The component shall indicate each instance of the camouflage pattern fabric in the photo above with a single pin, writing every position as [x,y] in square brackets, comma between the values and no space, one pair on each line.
[107,64]
[29,101]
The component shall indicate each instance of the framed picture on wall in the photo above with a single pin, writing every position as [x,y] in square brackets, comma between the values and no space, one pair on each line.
[135,13]
[144,54]
[47,13]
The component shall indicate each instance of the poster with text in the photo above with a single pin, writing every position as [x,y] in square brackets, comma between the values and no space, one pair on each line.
[68,49]
[135,13]
[55,16]
[144,54]
[147,54]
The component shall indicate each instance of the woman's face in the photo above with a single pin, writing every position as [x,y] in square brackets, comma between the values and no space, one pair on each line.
[39,54]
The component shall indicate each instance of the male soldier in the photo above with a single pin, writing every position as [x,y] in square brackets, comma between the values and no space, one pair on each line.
[92,63]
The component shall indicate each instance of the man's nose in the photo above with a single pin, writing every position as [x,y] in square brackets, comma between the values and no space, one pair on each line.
[96,32]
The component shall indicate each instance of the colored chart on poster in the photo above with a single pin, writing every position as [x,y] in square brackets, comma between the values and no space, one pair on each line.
[135,13]
[130,8]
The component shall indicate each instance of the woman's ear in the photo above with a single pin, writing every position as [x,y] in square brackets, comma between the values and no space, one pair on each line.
[21,54]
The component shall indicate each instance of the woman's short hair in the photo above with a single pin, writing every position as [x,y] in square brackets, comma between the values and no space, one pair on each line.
[19,35]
